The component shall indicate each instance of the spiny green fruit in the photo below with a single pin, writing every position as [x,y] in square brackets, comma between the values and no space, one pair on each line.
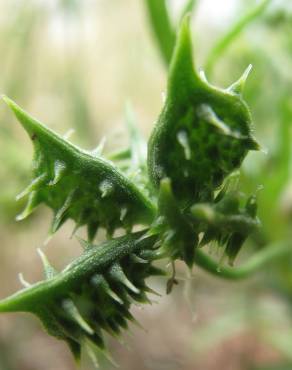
[93,295]
[226,221]
[79,184]
[203,133]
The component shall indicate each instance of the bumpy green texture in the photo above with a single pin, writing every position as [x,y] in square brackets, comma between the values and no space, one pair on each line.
[178,234]
[92,296]
[202,134]
[79,184]
[227,221]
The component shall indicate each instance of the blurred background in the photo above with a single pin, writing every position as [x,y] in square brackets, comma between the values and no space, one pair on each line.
[74,64]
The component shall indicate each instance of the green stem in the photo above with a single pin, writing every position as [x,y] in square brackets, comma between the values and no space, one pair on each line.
[223,43]
[257,262]
[162,28]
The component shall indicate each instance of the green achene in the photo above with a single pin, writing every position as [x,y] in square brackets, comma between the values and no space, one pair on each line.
[202,134]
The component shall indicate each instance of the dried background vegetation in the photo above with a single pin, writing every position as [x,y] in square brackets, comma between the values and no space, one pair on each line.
[74,64]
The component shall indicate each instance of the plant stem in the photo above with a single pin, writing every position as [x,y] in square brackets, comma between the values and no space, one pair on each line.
[257,262]
[162,28]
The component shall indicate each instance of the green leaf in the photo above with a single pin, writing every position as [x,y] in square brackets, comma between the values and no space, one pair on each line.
[188,7]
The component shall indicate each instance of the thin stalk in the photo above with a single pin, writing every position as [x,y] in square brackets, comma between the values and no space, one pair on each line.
[162,27]
[254,264]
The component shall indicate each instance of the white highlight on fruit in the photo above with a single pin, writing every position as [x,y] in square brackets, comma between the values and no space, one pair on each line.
[182,138]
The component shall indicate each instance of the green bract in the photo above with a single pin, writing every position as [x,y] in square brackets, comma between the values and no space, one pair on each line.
[93,294]
[203,133]
[79,184]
